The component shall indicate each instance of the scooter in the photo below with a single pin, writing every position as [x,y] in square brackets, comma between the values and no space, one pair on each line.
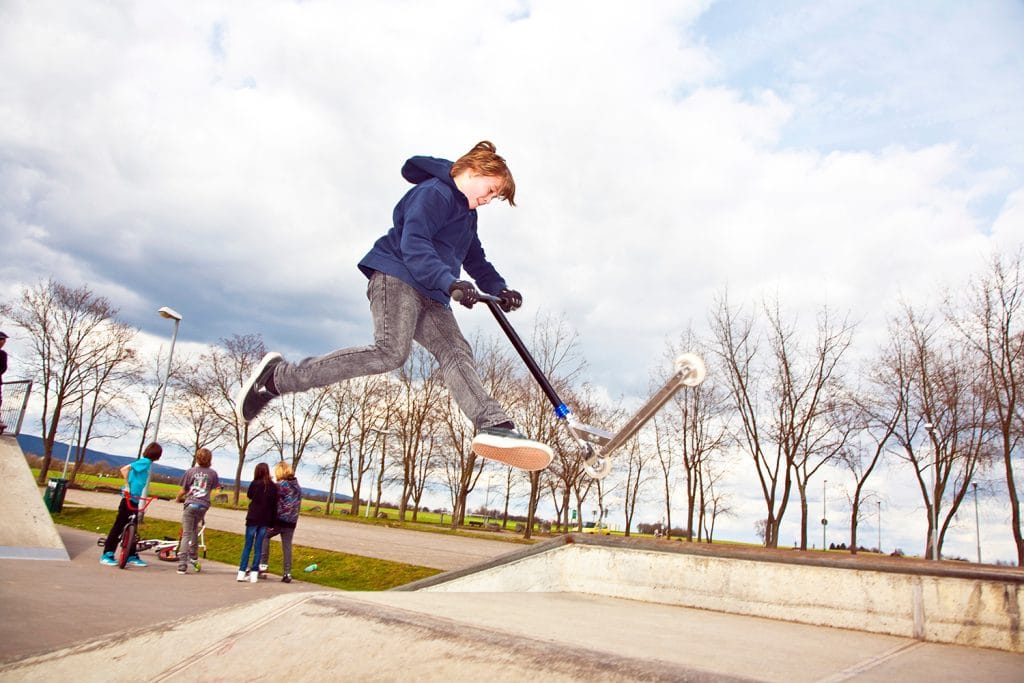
[596,444]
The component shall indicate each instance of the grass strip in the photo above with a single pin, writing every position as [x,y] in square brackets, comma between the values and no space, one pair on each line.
[334,569]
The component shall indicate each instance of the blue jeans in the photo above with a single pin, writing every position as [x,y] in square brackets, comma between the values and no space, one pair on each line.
[401,315]
[253,542]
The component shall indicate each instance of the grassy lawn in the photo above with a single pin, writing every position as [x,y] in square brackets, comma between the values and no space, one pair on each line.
[334,569]
[425,521]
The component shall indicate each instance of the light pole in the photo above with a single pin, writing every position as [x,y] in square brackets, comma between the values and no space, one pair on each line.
[170,313]
[879,526]
[824,514]
[977,523]
[487,501]
[935,484]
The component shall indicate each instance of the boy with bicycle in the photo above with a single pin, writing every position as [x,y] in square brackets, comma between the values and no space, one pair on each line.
[136,476]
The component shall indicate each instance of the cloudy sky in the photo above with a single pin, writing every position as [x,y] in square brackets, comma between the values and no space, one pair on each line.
[234,160]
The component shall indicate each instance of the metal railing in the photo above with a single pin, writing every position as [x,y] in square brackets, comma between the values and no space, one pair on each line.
[15,401]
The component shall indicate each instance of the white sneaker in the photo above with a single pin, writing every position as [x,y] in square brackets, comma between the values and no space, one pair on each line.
[512,448]
[254,577]
[242,575]
[264,567]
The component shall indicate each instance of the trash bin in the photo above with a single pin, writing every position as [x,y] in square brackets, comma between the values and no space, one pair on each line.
[54,494]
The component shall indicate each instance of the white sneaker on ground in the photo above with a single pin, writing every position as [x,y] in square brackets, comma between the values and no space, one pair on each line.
[254,576]
[242,575]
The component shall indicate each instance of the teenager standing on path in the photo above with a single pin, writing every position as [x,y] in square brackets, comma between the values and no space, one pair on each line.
[196,486]
[289,504]
[413,271]
[262,495]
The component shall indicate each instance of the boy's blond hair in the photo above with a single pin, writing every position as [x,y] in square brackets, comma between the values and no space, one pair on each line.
[282,470]
[483,159]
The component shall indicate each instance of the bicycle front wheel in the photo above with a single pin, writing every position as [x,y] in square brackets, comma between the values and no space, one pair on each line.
[127,540]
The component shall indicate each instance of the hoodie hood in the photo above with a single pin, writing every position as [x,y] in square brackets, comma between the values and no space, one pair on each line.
[421,169]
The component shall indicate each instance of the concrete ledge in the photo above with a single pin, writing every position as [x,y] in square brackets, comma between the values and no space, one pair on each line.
[943,602]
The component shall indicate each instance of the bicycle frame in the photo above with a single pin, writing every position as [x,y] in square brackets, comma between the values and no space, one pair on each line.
[130,533]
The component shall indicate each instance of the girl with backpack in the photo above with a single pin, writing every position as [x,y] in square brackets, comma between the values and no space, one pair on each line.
[289,502]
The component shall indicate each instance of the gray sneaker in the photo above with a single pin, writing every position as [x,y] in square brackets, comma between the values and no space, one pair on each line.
[254,395]
[512,448]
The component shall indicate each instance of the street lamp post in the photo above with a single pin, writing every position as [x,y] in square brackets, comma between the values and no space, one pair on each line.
[879,526]
[824,514]
[935,498]
[170,313]
[977,522]
[487,501]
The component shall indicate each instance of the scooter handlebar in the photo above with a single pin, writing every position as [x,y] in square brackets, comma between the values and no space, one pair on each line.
[481,296]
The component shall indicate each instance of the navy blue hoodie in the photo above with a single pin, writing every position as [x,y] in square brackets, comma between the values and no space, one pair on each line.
[434,236]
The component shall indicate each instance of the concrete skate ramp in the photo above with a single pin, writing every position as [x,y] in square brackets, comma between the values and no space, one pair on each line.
[496,637]
[944,602]
[557,619]
[27,531]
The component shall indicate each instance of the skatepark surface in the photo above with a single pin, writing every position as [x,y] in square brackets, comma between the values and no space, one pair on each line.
[76,619]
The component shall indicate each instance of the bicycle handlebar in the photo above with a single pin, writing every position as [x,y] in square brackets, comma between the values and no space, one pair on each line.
[135,507]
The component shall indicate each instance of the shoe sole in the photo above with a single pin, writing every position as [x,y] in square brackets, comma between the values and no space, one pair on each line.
[249,383]
[524,455]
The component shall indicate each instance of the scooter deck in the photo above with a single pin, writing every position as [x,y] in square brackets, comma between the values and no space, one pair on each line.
[610,442]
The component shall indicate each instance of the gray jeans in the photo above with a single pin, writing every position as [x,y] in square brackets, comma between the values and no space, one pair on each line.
[286,533]
[191,518]
[401,315]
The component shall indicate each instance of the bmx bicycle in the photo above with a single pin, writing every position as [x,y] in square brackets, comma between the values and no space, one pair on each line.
[130,534]
[166,549]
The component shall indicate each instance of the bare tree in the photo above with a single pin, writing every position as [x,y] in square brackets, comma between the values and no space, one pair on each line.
[104,385]
[462,467]
[192,413]
[992,320]
[554,348]
[945,389]
[71,331]
[216,380]
[299,417]
[695,429]
[421,387]
[637,457]
[715,503]
[874,412]
[789,391]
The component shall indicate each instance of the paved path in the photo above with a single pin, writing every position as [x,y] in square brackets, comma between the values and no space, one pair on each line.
[49,604]
[440,551]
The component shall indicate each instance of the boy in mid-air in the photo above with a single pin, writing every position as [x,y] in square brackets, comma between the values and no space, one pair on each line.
[413,272]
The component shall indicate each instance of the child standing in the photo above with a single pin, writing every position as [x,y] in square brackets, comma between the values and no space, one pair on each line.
[136,476]
[196,486]
[262,509]
[413,271]
[289,503]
